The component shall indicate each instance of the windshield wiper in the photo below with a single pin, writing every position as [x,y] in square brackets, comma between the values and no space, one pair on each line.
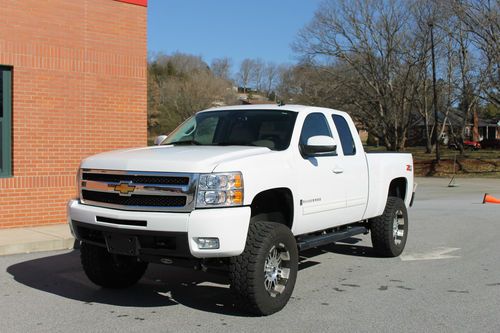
[186,142]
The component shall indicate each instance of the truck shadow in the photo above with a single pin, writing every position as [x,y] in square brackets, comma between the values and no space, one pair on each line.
[343,249]
[161,286]
[346,247]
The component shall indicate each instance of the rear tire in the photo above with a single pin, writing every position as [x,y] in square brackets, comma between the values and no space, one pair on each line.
[110,270]
[389,231]
[264,275]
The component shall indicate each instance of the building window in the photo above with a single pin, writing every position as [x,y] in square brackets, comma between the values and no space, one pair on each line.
[5,121]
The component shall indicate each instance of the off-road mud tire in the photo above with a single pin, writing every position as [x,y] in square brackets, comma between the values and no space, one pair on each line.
[382,229]
[109,270]
[247,271]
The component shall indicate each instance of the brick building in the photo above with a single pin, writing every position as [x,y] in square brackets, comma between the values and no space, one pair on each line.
[72,84]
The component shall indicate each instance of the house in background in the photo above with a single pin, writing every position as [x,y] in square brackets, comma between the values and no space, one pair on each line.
[487,130]
[72,84]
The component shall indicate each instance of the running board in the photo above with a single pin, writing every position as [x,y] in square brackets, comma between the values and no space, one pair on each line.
[310,241]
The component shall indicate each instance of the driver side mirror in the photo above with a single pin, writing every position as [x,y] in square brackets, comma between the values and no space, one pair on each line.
[159,139]
[319,145]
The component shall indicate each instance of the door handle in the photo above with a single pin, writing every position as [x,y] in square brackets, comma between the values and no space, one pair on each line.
[337,170]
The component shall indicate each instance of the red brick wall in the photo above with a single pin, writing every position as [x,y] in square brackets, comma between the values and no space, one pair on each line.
[79,88]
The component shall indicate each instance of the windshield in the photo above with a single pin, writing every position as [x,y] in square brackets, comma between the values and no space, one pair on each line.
[263,128]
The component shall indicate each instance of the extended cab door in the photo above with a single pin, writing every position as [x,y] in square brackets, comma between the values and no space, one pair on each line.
[352,163]
[321,187]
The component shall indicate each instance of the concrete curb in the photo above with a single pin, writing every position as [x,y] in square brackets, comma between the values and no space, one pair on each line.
[35,239]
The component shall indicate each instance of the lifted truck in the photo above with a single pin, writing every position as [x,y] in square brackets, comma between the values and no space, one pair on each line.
[243,188]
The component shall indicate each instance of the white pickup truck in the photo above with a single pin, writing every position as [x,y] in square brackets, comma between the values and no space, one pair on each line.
[242,189]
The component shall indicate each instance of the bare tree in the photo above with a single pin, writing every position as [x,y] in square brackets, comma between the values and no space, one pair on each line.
[311,84]
[481,23]
[178,86]
[221,68]
[257,74]
[469,83]
[270,77]
[375,39]
[466,48]
[245,74]
[251,74]
[429,16]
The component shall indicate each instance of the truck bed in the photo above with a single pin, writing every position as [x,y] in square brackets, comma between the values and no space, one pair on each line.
[382,168]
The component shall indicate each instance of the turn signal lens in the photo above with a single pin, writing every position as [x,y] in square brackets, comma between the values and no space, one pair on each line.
[236,197]
[237,181]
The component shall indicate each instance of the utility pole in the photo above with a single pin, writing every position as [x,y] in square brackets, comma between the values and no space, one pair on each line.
[434,99]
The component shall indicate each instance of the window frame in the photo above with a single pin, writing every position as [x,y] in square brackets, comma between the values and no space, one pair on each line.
[304,123]
[6,122]
[328,127]
[337,118]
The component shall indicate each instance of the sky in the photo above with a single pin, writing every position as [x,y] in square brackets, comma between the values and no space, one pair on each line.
[228,28]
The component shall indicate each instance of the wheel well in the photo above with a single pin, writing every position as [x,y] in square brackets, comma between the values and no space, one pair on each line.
[275,205]
[397,188]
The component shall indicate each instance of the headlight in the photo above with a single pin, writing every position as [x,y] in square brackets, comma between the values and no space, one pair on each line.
[220,190]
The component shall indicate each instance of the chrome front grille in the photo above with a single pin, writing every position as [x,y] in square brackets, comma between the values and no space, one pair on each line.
[138,190]
[138,179]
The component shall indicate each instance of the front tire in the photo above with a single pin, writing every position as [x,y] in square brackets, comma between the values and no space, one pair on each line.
[264,275]
[389,231]
[110,270]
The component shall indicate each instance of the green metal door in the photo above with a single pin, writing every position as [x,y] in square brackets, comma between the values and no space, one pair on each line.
[5,121]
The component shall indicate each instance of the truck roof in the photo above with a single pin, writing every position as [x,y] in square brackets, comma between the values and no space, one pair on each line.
[285,107]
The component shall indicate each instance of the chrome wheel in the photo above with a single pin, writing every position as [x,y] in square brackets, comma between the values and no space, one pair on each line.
[398,227]
[276,270]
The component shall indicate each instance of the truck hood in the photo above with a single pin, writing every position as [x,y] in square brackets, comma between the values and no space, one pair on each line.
[170,158]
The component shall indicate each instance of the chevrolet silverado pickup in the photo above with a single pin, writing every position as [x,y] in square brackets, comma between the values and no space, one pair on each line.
[241,189]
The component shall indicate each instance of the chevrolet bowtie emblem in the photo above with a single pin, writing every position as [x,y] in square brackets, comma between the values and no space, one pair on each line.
[124,188]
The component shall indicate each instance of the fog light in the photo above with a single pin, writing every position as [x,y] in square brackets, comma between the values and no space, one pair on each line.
[207,243]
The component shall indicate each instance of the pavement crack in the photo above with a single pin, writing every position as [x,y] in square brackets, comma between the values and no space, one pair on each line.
[405,288]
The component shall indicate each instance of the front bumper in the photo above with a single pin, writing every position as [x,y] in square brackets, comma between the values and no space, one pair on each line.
[164,234]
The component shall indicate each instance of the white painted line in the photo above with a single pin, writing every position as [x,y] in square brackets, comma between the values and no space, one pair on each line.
[435,254]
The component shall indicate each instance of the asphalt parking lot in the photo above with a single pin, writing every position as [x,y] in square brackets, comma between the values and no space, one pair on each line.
[447,280]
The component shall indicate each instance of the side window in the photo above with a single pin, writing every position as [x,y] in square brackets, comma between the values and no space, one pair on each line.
[314,124]
[5,121]
[345,134]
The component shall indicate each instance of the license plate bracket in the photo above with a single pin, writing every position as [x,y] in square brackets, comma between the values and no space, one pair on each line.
[122,244]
